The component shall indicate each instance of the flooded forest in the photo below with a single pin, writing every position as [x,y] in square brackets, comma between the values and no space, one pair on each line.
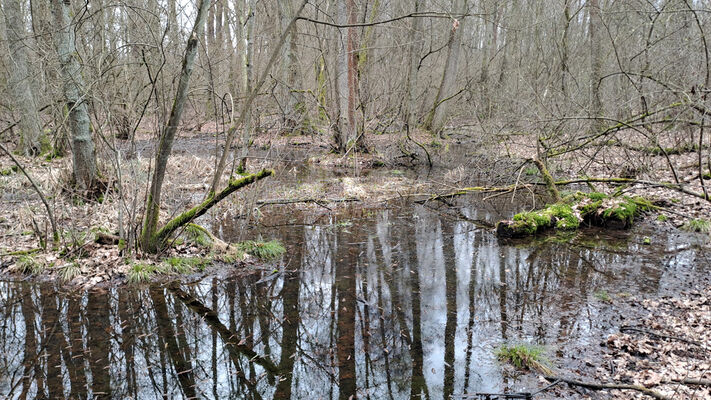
[355,199]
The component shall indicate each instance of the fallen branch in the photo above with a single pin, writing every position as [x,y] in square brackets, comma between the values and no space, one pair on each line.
[658,335]
[621,181]
[162,236]
[696,382]
[272,202]
[609,386]
[21,252]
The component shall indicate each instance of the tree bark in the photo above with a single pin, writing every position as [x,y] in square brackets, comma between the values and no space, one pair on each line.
[596,109]
[150,225]
[295,107]
[346,64]
[413,67]
[20,81]
[440,110]
[84,158]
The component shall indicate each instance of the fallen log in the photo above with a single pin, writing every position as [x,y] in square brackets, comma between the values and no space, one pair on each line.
[594,209]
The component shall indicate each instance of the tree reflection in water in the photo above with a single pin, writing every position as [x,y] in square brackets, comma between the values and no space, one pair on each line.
[398,304]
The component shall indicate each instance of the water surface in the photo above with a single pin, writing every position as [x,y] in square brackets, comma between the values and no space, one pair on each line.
[389,303]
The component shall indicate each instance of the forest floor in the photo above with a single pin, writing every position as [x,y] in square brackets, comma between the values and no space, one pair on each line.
[668,342]
[395,167]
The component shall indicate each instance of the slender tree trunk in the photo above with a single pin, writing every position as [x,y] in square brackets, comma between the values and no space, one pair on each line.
[247,24]
[596,109]
[150,223]
[414,48]
[440,110]
[84,158]
[564,67]
[346,77]
[491,32]
[295,108]
[20,81]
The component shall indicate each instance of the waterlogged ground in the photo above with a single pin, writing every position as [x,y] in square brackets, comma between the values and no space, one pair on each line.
[394,302]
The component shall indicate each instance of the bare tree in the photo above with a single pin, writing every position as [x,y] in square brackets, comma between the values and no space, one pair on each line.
[20,81]
[294,110]
[447,90]
[84,157]
[346,63]
[150,241]
[595,33]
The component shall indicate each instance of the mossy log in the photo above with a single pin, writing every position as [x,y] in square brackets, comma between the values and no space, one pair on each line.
[592,209]
[159,240]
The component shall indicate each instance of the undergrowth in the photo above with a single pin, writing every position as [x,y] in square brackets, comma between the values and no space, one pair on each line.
[266,251]
[525,356]
[698,225]
[141,272]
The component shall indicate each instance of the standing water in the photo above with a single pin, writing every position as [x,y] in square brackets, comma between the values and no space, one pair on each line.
[385,304]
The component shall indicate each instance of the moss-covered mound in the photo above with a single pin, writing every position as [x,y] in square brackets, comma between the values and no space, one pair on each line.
[596,209]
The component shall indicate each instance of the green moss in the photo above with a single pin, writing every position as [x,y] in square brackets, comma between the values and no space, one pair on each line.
[647,241]
[198,235]
[531,171]
[524,223]
[624,210]
[697,225]
[525,356]
[662,218]
[266,251]
[595,196]
[565,217]
[9,171]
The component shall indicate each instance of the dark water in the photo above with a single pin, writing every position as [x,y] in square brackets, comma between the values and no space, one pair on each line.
[384,304]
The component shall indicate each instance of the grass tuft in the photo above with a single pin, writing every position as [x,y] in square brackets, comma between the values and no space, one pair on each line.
[266,251]
[69,271]
[27,264]
[603,296]
[525,356]
[697,225]
[141,273]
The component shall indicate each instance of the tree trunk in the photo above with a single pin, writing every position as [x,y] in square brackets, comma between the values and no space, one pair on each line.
[84,158]
[346,64]
[413,67]
[295,107]
[150,226]
[247,24]
[596,109]
[440,110]
[20,79]
[564,68]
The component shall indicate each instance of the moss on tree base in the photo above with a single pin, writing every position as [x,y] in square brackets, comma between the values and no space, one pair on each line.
[592,209]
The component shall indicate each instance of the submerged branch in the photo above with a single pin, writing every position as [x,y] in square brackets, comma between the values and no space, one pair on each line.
[228,337]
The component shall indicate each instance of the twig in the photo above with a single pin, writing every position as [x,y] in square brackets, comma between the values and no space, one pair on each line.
[55,232]
[606,386]
[658,335]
